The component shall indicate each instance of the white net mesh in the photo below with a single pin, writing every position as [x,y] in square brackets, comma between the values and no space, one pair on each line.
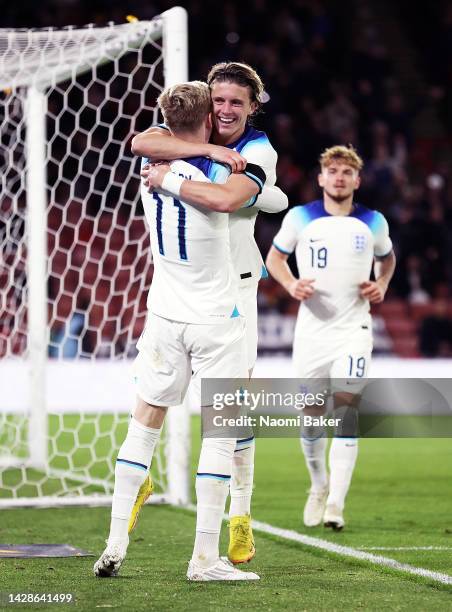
[49,56]
[101,86]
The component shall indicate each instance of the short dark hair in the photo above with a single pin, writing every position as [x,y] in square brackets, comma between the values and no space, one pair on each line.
[241,74]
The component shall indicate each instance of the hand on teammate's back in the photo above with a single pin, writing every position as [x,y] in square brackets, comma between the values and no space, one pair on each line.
[227,156]
[301,289]
[152,174]
[373,291]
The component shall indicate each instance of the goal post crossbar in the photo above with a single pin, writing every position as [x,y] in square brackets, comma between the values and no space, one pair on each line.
[50,56]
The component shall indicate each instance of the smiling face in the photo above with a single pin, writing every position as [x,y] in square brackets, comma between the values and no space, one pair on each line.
[232,106]
[339,180]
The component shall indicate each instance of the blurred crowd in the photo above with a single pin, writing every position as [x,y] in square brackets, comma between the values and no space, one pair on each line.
[352,72]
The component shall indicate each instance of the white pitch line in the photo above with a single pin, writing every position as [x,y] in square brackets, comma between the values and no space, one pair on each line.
[347,551]
[404,548]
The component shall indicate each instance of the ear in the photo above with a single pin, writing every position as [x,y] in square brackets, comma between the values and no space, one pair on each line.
[254,106]
[208,127]
[320,180]
[357,182]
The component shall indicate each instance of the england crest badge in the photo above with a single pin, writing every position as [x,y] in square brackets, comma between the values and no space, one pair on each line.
[359,242]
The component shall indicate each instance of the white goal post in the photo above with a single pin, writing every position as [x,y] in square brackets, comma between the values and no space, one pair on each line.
[75,262]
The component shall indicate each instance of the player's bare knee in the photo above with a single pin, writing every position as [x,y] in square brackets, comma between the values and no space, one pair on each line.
[149,415]
[344,398]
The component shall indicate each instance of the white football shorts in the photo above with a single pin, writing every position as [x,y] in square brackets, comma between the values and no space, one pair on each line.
[169,351]
[248,303]
[334,364]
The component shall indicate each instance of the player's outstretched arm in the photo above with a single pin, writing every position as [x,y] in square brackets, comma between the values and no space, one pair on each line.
[272,200]
[299,288]
[226,197]
[384,267]
[159,144]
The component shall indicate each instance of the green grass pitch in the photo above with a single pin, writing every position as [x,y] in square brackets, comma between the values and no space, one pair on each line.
[400,498]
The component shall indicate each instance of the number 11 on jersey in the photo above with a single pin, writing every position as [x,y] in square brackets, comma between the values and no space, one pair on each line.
[181,221]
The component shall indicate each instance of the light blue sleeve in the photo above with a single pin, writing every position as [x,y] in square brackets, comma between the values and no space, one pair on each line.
[380,230]
[261,153]
[219,173]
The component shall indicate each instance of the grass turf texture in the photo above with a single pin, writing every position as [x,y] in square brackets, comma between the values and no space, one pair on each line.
[400,496]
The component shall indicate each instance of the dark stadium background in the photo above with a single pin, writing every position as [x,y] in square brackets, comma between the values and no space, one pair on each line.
[376,74]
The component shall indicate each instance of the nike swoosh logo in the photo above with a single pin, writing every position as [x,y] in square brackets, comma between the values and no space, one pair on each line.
[315,239]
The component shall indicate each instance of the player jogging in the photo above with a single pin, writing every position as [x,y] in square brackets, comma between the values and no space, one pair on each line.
[193,324]
[335,241]
[236,91]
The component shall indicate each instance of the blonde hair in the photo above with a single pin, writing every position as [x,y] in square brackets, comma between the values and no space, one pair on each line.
[346,155]
[240,74]
[185,106]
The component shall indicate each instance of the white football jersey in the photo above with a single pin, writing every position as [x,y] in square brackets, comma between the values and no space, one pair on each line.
[194,281]
[257,150]
[337,252]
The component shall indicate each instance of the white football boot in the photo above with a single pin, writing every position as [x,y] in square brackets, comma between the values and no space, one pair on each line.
[111,560]
[223,569]
[315,507]
[333,518]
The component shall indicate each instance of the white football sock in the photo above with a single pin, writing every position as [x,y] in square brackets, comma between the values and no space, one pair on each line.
[132,465]
[343,454]
[242,478]
[212,488]
[314,451]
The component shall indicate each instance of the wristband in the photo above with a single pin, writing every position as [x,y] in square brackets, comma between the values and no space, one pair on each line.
[172,183]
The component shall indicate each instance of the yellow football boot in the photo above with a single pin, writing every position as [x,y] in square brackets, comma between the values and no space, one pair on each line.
[241,541]
[143,494]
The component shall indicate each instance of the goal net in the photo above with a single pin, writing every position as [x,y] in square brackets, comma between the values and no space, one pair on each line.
[75,264]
